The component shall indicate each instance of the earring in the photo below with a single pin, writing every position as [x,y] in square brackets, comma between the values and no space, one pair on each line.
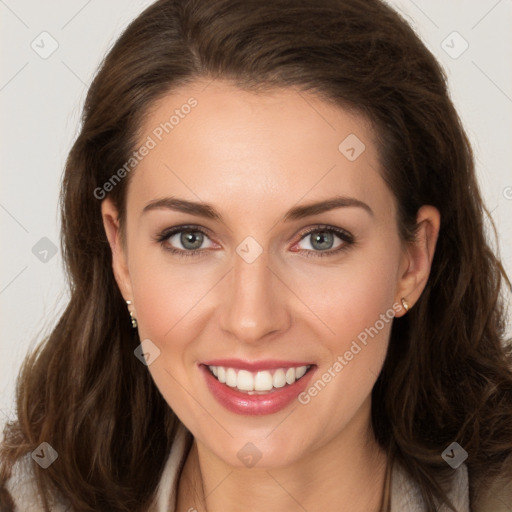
[133,319]
[405,304]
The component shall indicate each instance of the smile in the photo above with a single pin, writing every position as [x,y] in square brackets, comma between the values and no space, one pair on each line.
[257,382]
[256,388]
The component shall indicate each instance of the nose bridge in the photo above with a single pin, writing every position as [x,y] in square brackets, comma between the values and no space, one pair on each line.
[254,305]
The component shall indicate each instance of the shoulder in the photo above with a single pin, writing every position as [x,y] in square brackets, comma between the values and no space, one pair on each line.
[496,496]
[406,495]
[23,488]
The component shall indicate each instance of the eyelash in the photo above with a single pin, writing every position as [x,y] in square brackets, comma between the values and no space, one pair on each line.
[345,236]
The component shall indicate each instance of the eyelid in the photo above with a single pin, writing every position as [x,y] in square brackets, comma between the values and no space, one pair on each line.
[327,227]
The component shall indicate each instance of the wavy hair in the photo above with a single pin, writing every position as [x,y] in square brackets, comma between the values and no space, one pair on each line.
[448,372]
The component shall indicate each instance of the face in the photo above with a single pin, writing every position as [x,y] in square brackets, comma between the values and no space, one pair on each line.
[262,242]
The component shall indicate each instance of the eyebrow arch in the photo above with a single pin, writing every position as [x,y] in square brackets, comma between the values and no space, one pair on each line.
[297,212]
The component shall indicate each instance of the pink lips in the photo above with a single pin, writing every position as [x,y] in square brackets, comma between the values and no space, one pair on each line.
[243,403]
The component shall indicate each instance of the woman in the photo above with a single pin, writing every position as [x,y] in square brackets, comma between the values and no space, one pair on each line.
[281,293]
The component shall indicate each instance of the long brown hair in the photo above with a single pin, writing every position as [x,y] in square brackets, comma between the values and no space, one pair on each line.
[448,372]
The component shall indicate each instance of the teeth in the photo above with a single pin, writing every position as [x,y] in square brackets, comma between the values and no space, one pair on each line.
[279,379]
[300,371]
[231,377]
[244,380]
[221,373]
[262,381]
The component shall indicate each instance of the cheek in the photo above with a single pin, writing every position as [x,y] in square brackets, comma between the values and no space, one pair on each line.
[350,296]
[355,303]
[166,298]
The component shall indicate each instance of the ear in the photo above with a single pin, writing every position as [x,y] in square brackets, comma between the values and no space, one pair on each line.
[417,257]
[111,224]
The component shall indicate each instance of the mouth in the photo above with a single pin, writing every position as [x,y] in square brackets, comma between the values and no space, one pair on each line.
[264,387]
[258,383]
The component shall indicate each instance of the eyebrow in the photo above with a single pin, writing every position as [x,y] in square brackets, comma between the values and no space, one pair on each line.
[206,210]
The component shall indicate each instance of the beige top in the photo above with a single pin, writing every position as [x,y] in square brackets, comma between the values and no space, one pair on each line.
[405,494]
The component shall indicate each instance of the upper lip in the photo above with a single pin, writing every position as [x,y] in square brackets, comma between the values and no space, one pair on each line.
[254,366]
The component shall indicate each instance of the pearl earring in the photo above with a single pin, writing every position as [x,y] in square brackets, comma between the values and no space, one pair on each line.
[133,319]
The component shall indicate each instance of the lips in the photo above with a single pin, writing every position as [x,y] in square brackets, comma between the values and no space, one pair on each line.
[256,388]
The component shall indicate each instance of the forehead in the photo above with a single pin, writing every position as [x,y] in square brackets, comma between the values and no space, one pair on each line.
[219,142]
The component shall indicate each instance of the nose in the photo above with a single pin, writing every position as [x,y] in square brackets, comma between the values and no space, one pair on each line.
[255,306]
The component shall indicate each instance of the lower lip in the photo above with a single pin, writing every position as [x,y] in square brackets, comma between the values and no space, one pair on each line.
[253,405]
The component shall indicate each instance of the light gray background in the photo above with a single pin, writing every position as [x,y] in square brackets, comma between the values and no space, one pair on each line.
[40,101]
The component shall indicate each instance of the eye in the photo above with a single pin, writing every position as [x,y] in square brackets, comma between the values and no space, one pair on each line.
[184,240]
[325,241]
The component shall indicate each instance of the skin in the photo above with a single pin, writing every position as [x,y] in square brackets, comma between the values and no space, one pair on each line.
[253,156]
